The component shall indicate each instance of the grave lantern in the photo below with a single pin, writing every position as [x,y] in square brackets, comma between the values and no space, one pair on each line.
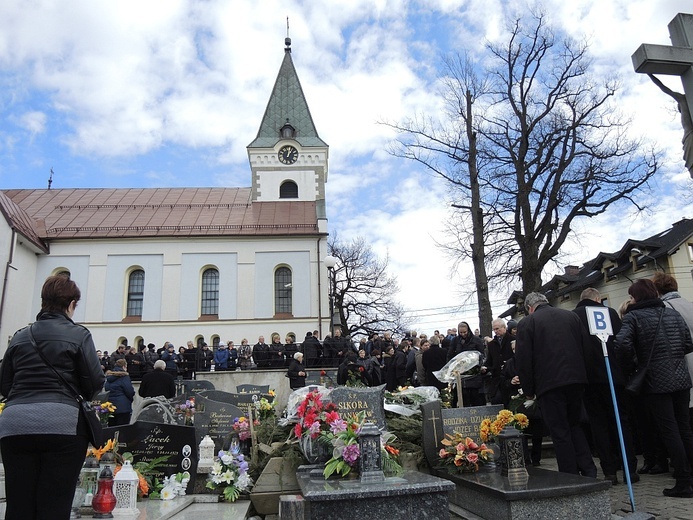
[125,485]
[89,478]
[370,460]
[512,457]
[104,501]
[107,459]
[206,451]
[77,499]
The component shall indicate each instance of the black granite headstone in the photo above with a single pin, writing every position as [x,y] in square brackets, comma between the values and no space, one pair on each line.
[157,412]
[353,400]
[329,380]
[192,386]
[466,421]
[148,441]
[239,400]
[252,389]
[432,430]
[215,419]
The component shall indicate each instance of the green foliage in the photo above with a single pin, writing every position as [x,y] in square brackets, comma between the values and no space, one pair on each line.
[336,466]
[408,431]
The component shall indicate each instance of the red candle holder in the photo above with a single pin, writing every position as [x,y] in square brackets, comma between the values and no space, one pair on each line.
[104,501]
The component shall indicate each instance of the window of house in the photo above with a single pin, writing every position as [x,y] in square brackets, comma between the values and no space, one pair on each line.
[210,291]
[690,251]
[135,293]
[288,190]
[283,291]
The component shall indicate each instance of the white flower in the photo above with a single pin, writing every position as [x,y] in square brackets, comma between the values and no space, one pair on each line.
[217,468]
[244,481]
[167,493]
[227,459]
[228,476]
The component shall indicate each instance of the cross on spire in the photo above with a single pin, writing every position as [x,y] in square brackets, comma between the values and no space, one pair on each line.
[674,60]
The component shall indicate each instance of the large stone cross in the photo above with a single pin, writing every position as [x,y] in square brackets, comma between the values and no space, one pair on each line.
[674,60]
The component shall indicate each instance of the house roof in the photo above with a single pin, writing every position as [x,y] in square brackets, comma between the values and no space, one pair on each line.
[652,248]
[287,104]
[155,212]
[19,220]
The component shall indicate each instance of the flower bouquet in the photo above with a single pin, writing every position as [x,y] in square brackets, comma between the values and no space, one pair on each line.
[241,425]
[343,436]
[105,411]
[230,475]
[264,407]
[462,455]
[489,429]
[186,411]
[174,486]
[314,417]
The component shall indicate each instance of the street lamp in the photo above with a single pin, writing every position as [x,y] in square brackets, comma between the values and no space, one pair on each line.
[330,262]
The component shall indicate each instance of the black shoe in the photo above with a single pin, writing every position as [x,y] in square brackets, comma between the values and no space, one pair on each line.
[658,470]
[612,478]
[679,491]
[634,477]
[645,469]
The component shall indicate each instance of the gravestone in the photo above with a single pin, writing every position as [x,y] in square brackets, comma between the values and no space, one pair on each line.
[466,421]
[148,441]
[487,494]
[351,400]
[252,389]
[156,410]
[239,400]
[215,418]
[192,386]
[329,380]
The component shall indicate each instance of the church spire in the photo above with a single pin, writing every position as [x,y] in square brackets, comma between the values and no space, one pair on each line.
[287,106]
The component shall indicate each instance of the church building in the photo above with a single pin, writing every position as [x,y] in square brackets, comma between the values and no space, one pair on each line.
[180,264]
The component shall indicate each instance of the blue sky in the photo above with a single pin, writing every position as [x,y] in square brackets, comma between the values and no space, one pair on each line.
[169,93]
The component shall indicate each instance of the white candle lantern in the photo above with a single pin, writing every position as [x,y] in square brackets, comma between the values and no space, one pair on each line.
[207,451]
[125,485]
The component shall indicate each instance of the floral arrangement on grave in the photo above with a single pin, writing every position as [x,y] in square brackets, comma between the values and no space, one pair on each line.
[174,486]
[461,454]
[489,430]
[241,426]
[265,408]
[314,416]
[104,410]
[520,404]
[230,475]
[186,411]
[110,447]
[343,436]
[356,377]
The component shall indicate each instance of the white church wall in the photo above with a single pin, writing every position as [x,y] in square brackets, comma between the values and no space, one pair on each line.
[115,292]
[265,266]
[78,267]
[191,268]
[18,308]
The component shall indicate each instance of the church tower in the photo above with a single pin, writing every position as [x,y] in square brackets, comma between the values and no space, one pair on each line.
[288,159]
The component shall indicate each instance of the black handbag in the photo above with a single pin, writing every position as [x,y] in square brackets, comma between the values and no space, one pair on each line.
[636,382]
[94,428]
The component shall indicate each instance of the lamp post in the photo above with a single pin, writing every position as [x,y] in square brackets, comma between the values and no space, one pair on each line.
[330,262]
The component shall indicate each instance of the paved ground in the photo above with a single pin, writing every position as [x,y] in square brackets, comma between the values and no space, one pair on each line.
[647,493]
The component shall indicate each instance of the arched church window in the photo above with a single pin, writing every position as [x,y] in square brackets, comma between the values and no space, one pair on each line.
[135,293]
[210,291]
[283,291]
[288,190]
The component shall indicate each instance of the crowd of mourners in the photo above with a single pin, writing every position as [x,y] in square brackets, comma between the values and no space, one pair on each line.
[548,359]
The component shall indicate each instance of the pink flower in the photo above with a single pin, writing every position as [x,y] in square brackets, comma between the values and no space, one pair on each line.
[443,453]
[460,447]
[338,426]
[315,429]
[473,458]
[297,430]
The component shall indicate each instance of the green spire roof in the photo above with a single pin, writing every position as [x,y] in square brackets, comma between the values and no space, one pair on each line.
[287,104]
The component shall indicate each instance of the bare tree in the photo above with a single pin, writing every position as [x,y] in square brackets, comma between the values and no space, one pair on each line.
[550,147]
[364,294]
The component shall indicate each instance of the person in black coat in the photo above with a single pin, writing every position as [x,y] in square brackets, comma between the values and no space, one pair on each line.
[297,372]
[121,393]
[158,382]
[311,349]
[205,358]
[351,371]
[598,400]
[550,361]
[434,359]
[388,370]
[472,387]
[659,338]
[375,369]
[261,353]
[276,352]
[499,351]
[401,363]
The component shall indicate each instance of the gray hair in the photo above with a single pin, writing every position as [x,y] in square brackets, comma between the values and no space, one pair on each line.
[160,364]
[533,299]
[298,355]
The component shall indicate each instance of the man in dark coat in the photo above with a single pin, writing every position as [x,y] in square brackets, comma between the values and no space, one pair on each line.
[472,387]
[597,399]
[205,358]
[550,360]
[158,382]
[434,359]
[261,353]
[311,348]
[499,351]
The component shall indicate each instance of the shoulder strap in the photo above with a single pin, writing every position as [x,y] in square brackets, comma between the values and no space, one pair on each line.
[67,385]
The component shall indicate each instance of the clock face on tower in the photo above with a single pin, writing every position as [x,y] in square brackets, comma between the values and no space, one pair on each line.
[287,154]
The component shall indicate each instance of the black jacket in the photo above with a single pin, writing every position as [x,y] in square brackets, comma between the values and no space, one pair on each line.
[296,381]
[470,343]
[667,371]
[594,355]
[550,350]
[158,383]
[434,359]
[25,378]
